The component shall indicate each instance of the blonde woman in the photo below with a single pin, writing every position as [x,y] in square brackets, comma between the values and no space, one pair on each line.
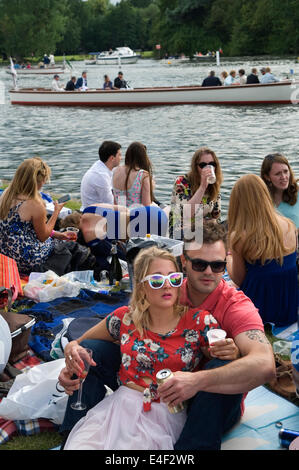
[282,184]
[25,233]
[195,190]
[155,332]
[262,260]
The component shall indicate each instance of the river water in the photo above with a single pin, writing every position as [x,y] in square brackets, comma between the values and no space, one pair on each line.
[68,138]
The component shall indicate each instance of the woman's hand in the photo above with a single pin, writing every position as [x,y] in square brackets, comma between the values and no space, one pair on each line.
[205,174]
[225,349]
[58,207]
[73,361]
[70,236]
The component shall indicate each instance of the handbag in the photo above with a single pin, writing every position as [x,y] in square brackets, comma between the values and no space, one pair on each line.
[20,326]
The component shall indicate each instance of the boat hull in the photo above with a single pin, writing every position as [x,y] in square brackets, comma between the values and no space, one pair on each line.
[38,71]
[116,60]
[286,92]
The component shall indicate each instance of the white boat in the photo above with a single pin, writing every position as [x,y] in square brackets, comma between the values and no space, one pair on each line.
[122,55]
[284,92]
[35,70]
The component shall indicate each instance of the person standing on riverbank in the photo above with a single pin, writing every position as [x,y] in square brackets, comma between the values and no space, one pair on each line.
[96,184]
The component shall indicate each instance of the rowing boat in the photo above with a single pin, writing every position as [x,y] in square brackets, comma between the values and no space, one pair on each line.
[50,70]
[284,92]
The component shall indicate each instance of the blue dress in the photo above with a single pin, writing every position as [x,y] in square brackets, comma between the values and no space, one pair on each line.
[18,240]
[273,289]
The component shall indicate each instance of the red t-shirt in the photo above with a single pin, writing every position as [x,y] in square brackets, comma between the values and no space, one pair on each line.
[177,350]
[233,310]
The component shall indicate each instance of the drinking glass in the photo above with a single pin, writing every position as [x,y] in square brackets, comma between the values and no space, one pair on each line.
[85,355]
[73,235]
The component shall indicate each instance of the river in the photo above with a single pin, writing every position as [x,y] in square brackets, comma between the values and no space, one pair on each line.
[68,138]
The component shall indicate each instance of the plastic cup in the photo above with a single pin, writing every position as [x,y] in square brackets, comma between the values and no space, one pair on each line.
[211,179]
[215,335]
[72,229]
[73,235]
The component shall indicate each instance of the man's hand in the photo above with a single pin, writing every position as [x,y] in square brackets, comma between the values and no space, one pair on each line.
[179,388]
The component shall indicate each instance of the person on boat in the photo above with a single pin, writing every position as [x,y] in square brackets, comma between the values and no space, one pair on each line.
[193,189]
[119,81]
[218,392]
[282,184]
[211,80]
[242,77]
[52,59]
[133,182]
[267,76]
[71,84]
[81,84]
[96,184]
[253,77]
[223,76]
[25,233]
[107,85]
[46,60]
[28,66]
[55,84]
[262,258]
[231,79]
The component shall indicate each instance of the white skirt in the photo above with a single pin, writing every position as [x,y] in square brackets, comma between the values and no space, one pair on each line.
[119,423]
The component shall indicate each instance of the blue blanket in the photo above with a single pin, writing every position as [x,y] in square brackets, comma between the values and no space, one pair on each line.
[50,315]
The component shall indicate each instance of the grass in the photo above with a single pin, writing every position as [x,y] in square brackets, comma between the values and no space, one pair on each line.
[42,441]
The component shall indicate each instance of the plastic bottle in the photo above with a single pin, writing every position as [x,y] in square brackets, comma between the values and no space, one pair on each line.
[115,271]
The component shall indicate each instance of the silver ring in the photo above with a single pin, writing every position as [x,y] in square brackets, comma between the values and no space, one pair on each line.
[59,391]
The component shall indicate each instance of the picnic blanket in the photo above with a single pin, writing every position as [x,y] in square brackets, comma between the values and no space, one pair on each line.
[51,316]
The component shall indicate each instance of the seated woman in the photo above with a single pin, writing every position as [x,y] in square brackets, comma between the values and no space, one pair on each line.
[262,261]
[155,332]
[133,183]
[282,184]
[194,189]
[26,235]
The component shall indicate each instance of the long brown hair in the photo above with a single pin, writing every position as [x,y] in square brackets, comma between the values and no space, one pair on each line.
[29,175]
[139,306]
[290,194]
[194,176]
[136,158]
[253,221]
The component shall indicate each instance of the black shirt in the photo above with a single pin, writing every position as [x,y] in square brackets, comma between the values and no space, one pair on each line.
[252,78]
[211,81]
[70,86]
[118,83]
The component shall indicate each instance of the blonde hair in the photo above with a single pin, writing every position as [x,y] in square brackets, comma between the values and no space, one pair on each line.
[139,306]
[252,220]
[194,176]
[29,175]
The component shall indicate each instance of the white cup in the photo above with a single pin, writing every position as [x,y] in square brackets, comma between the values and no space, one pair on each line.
[211,179]
[72,229]
[216,335]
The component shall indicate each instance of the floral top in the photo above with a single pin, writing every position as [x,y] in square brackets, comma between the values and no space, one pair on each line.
[18,240]
[177,350]
[133,194]
[181,194]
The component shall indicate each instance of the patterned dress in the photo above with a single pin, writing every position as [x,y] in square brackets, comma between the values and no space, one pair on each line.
[132,195]
[18,240]
[120,420]
[181,194]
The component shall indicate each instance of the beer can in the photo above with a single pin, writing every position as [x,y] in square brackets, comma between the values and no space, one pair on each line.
[286,436]
[161,377]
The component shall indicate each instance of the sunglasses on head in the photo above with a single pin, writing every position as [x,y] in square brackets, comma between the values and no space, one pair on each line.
[201,265]
[204,164]
[156,281]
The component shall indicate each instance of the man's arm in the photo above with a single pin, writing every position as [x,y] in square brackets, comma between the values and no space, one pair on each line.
[254,368]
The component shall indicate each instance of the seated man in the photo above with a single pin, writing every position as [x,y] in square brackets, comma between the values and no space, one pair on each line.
[211,80]
[119,82]
[252,77]
[81,84]
[267,76]
[71,84]
[215,393]
[55,84]
[96,184]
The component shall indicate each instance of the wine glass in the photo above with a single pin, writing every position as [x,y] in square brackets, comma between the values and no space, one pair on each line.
[86,355]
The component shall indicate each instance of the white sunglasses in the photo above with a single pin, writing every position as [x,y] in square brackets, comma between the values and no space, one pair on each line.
[156,281]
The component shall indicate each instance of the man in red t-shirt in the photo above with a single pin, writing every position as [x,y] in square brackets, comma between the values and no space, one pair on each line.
[213,413]
[215,394]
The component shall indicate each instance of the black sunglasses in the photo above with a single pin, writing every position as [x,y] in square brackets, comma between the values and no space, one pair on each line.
[201,265]
[204,164]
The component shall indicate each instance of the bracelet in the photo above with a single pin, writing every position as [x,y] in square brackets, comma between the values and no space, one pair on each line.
[52,233]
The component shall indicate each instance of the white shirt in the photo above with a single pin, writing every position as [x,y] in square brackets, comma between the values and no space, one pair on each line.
[96,185]
[55,86]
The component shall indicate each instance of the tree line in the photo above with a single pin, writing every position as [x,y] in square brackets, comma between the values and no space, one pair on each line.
[238,27]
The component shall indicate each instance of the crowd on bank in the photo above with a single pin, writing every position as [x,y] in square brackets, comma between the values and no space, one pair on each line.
[174,302]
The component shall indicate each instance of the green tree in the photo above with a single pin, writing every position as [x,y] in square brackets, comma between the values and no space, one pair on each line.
[32,26]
